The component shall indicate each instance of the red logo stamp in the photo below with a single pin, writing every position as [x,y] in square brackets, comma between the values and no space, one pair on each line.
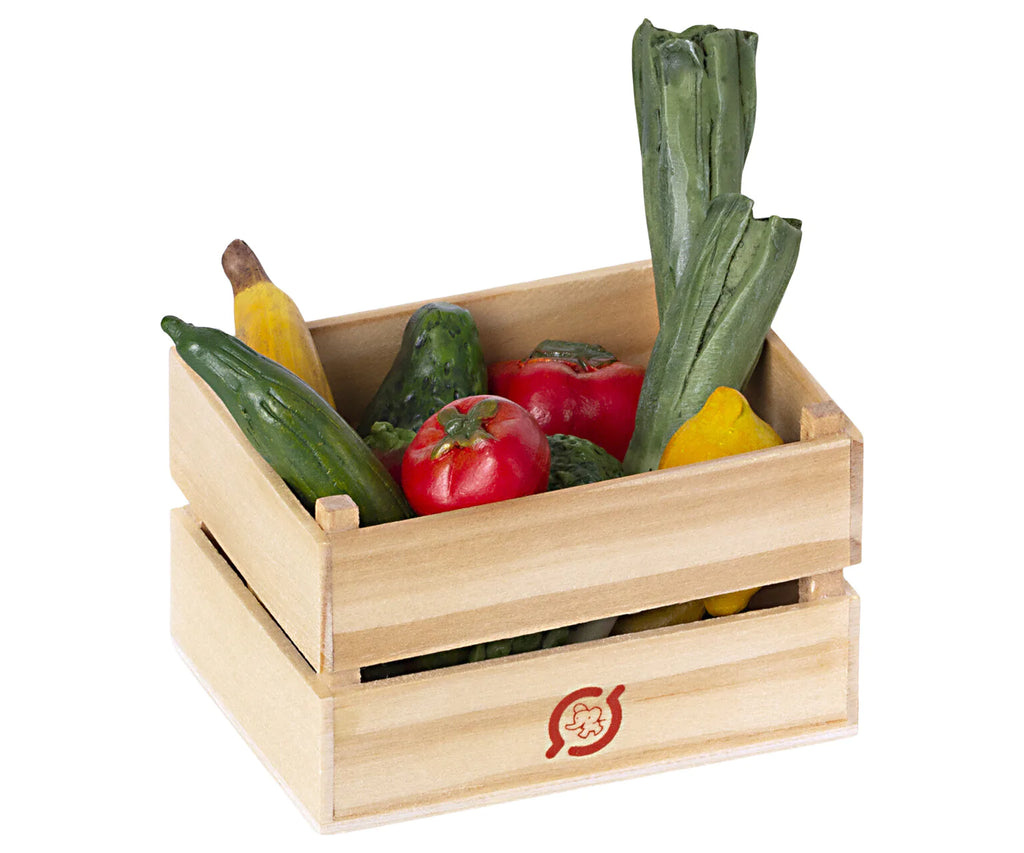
[585,722]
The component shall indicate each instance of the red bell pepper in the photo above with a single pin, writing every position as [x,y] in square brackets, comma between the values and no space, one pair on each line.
[576,389]
[475,450]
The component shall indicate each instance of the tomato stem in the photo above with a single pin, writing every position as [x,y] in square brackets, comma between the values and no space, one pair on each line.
[464,429]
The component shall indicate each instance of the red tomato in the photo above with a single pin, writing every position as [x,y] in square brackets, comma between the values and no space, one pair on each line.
[476,450]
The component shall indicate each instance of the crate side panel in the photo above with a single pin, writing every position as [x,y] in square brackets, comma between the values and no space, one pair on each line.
[688,693]
[853,696]
[594,551]
[613,307]
[254,674]
[254,517]
[780,387]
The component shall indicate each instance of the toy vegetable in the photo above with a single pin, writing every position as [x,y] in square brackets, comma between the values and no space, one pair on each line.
[576,389]
[475,450]
[725,426]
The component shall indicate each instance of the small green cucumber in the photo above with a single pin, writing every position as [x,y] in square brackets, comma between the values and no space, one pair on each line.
[439,360]
[576,461]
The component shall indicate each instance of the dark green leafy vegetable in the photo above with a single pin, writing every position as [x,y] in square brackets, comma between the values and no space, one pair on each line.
[695,98]
[388,444]
[715,324]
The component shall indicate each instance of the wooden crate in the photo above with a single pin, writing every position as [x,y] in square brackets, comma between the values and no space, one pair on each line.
[277,612]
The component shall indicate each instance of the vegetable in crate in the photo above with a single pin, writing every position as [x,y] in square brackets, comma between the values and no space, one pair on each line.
[659,617]
[388,444]
[576,461]
[574,388]
[292,427]
[695,96]
[716,322]
[517,645]
[439,360]
[269,321]
[467,654]
[475,450]
[725,426]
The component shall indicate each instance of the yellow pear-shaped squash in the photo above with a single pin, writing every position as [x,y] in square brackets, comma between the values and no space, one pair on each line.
[725,426]
[268,320]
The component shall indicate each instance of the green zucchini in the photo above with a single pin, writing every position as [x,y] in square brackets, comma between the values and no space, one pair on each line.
[292,427]
[439,360]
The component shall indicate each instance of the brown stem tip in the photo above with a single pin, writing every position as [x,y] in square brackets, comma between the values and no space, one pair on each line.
[242,267]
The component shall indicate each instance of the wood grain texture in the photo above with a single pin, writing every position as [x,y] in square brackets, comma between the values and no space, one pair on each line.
[825,419]
[252,514]
[594,551]
[336,513]
[690,691]
[255,674]
[781,387]
[357,755]
[281,650]
[853,673]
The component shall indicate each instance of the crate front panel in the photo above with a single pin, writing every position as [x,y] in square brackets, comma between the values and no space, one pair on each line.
[594,551]
[689,693]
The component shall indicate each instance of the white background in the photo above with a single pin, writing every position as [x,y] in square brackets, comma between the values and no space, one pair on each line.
[385,156]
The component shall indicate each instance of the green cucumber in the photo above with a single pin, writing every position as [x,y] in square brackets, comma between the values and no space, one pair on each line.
[576,461]
[292,427]
[439,360]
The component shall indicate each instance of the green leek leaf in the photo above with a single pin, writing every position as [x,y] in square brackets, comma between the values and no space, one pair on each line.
[695,99]
[715,324]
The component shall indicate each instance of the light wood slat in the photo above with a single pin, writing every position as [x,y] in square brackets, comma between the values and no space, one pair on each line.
[688,690]
[781,387]
[821,420]
[600,550]
[856,493]
[251,512]
[356,755]
[694,754]
[853,673]
[255,674]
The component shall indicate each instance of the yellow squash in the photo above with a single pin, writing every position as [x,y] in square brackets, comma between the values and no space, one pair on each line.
[659,617]
[267,319]
[726,425]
